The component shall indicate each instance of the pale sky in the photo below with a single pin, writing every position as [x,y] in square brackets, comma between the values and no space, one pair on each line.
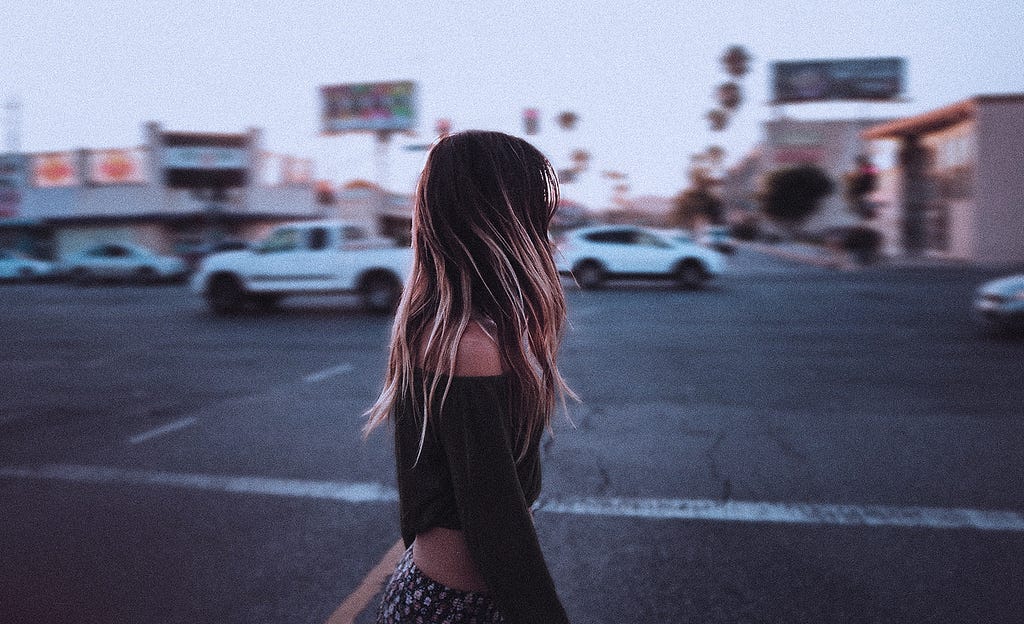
[640,75]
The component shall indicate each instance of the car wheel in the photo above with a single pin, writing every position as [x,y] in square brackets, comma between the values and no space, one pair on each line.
[589,274]
[690,274]
[146,275]
[26,273]
[380,292]
[225,295]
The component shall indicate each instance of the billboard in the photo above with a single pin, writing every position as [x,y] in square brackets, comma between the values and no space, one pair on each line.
[55,169]
[116,166]
[876,79]
[368,107]
[193,160]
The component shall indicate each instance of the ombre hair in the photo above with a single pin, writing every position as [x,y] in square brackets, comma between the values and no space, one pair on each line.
[480,249]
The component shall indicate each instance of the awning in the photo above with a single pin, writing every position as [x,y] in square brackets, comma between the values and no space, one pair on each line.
[931,121]
[937,119]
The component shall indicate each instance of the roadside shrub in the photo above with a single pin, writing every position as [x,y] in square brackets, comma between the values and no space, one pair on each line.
[792,194]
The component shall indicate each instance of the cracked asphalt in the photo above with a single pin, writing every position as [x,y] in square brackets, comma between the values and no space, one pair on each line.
[781,383]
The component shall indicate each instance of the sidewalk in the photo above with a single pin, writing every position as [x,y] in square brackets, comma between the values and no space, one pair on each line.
[815,255]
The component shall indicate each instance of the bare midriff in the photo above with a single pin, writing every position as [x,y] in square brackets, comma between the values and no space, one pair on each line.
[442,554]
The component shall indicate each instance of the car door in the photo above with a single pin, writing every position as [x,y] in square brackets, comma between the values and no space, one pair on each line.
[123,261]
[276,262]
[314,262]
[103,260]
[652,254]
[613,248]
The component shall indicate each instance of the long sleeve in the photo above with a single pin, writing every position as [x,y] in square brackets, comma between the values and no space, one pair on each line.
[496,522]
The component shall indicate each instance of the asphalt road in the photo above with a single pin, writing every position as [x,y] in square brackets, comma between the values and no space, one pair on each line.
[792,444]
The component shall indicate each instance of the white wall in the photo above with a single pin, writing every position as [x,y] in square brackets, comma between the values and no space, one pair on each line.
[1000,191]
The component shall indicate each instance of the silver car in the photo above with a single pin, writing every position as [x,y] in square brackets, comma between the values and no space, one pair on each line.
[122,261]
[14,266]
[999,304]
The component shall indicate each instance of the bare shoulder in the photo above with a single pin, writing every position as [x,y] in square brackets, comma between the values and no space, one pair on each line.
[478,355]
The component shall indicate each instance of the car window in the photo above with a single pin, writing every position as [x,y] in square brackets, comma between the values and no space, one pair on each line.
[316,238]
[353,232]
[648,239]
[117,251]
[621,237]
[285,239]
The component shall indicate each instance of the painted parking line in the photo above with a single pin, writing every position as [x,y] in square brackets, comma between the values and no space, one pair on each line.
[349,610]
[652,508]
[792,513]
[170,427]
[330,372]
[297,488]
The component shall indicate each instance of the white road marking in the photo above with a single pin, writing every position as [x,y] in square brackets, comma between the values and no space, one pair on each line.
[329,490]
[792,513]
[652,508]
[330,372]
[170,427]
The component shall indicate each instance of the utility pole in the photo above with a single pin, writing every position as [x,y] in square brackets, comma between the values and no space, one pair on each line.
[12,125]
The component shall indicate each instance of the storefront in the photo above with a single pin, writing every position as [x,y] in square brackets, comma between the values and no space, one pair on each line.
[175,192]
[958,180]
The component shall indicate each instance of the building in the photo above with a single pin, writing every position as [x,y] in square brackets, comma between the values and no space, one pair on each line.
[832,145]
[957,189]
[176,192]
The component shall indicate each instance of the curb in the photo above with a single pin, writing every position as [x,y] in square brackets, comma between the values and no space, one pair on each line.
[818,260]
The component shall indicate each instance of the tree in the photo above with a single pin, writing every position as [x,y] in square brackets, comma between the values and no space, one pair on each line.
[694,204]
[792,194]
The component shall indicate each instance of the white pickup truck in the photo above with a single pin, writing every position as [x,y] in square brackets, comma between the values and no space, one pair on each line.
[316,257]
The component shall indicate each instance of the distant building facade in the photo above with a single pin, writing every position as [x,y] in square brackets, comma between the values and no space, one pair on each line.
[957,189]
[832,145]
[55,204]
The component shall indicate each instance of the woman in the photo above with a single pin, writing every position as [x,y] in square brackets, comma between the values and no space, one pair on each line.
[471,385]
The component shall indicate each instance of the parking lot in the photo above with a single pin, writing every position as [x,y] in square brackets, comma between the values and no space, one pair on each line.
[789,444]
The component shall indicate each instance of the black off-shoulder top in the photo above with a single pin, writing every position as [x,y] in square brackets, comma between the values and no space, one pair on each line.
[467,478]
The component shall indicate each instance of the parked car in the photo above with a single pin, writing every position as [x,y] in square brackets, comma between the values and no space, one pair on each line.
[313,257]
[595,254]
[999,304]
[14,266]
[122,261]
[718,237]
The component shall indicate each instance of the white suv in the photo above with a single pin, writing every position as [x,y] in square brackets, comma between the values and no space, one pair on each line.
[594,254]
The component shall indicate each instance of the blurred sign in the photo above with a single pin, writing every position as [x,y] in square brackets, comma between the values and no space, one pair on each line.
[799,155]
[368,107]
[193,160]
[117,166]
[55,169]
[296,170]
[849,79]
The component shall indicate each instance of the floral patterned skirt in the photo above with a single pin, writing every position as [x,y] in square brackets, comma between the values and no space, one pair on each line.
[411,596]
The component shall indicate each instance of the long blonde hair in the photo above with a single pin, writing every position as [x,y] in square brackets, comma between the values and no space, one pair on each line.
[480,248]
